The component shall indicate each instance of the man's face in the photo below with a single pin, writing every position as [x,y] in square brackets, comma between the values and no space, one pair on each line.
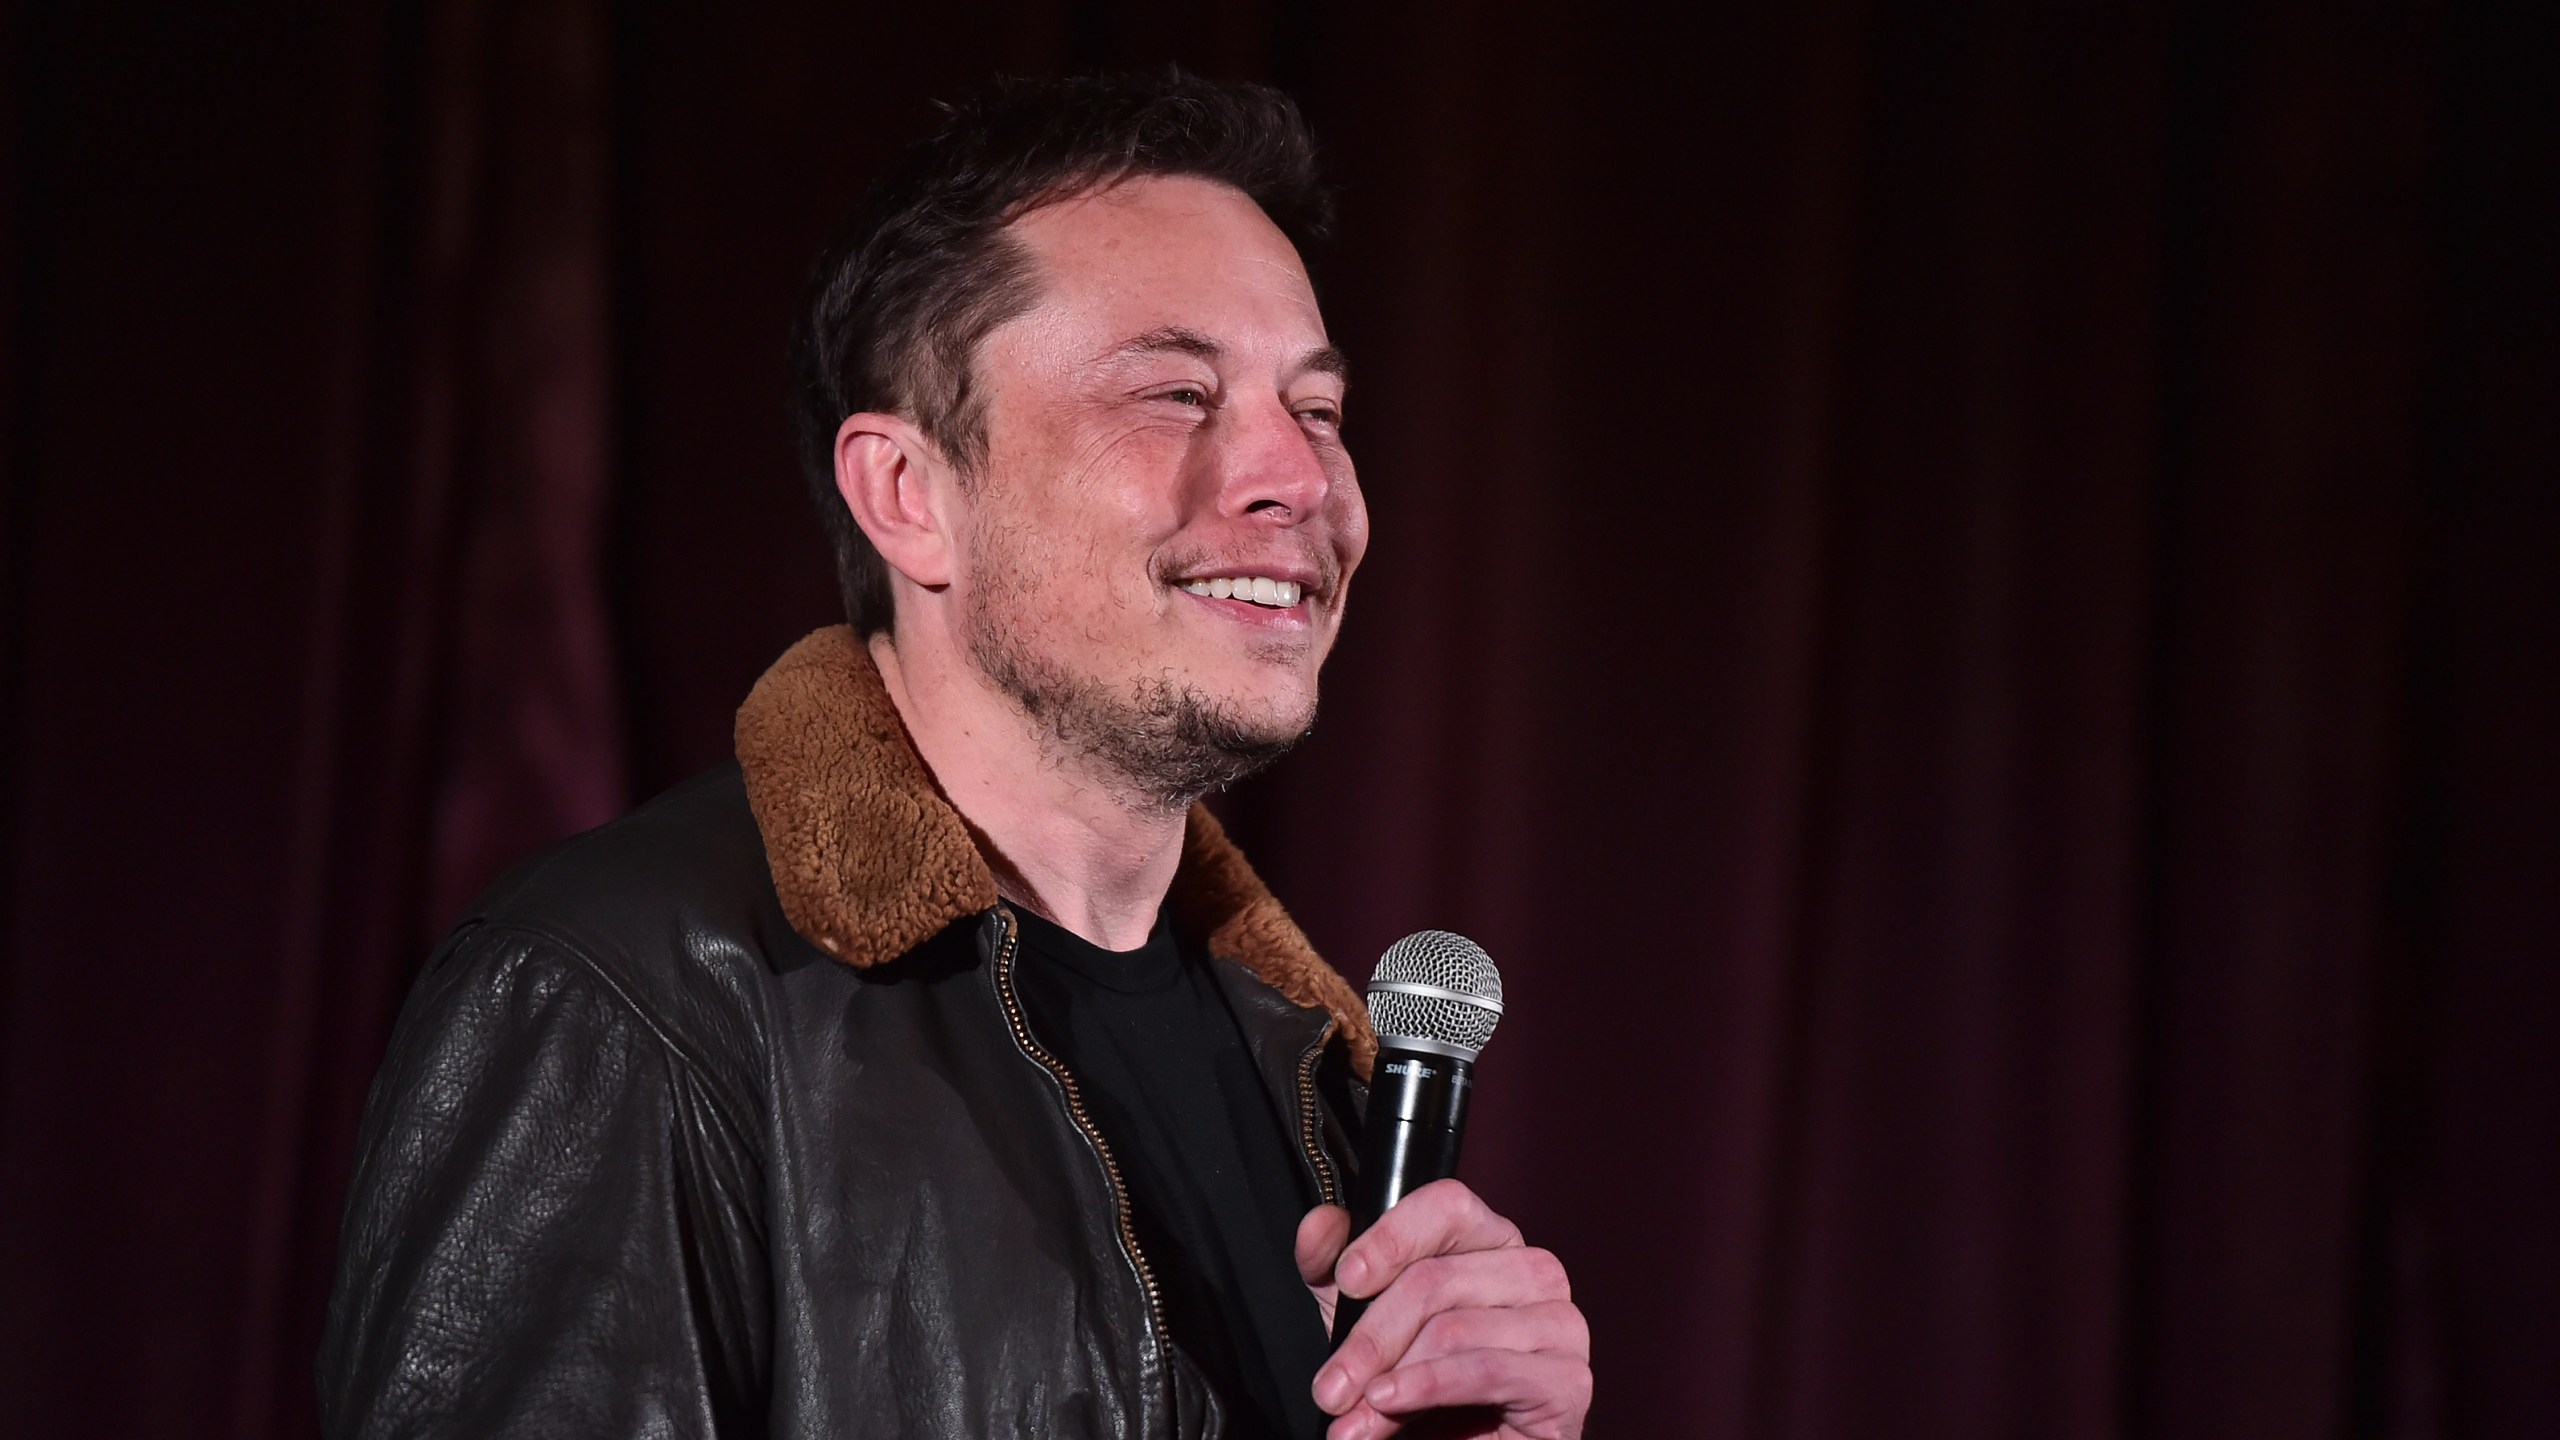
[1163,422]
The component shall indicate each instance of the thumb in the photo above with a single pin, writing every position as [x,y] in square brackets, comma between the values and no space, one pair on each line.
[1321,1236]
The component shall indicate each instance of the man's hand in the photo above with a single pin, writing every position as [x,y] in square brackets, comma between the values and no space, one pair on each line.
[1464,1318]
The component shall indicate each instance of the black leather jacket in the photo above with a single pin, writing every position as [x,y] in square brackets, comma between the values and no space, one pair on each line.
[724,1119]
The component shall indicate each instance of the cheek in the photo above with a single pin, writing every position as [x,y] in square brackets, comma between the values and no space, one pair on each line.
[1099,583]
[1350,523]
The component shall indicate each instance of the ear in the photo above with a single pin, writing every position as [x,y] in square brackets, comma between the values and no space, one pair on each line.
[898,486]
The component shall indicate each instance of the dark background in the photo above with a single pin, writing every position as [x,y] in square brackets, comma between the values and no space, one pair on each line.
[1963,597]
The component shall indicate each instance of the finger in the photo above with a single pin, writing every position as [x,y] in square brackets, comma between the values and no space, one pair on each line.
[1555,1326]
[1539,1392]
[1321,1236]
[1519,1276]
[1365,1423]
[1442,1218]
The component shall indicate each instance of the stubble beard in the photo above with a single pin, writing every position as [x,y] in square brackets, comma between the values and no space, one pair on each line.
[1167,743]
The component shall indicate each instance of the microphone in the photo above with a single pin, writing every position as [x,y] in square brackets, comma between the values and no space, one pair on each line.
[1433,1001]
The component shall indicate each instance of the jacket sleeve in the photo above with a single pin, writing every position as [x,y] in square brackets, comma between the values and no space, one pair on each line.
[553,1228]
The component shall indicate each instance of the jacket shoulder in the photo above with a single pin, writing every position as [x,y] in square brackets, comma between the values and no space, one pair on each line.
[551,1123]
[684,870]
[673,905]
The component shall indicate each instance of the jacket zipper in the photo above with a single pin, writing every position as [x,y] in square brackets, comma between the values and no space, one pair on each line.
[1075,1111]
[1307,1140]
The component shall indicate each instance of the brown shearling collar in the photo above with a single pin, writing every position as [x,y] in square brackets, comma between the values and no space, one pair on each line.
[871,861]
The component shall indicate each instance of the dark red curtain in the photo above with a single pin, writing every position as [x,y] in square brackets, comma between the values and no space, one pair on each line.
[1963,596]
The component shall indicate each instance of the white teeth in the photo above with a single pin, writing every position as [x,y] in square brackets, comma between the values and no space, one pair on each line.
[1257,589]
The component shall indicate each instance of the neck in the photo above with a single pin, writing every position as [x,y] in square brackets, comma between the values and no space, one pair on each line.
[1090,855]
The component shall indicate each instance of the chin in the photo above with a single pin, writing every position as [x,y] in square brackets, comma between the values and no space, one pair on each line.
[1278,711]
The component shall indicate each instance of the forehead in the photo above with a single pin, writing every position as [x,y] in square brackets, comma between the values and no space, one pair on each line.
[1163,251]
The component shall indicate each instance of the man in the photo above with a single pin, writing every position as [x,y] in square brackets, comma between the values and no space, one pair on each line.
[940,1068]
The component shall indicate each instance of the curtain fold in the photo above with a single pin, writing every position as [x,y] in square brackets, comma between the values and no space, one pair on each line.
[313,468]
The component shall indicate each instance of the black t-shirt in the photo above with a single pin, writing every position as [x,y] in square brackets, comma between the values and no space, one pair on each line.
[1216,1187]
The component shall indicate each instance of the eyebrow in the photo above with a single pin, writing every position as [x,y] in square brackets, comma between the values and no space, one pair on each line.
[1179,340]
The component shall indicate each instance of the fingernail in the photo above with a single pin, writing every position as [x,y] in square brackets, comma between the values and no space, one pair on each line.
[1382,1391]
[1332,1389]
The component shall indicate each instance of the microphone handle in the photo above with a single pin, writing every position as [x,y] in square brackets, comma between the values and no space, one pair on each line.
[1417,1115]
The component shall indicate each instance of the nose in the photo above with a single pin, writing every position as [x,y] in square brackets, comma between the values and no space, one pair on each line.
[1268,465]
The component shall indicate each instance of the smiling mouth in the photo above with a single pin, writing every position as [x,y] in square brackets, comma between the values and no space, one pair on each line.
[1252,589]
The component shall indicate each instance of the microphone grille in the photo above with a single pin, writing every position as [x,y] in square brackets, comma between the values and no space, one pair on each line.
[1461,1014]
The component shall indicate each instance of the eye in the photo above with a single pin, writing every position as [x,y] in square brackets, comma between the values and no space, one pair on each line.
[1325,415]
[1188,395]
